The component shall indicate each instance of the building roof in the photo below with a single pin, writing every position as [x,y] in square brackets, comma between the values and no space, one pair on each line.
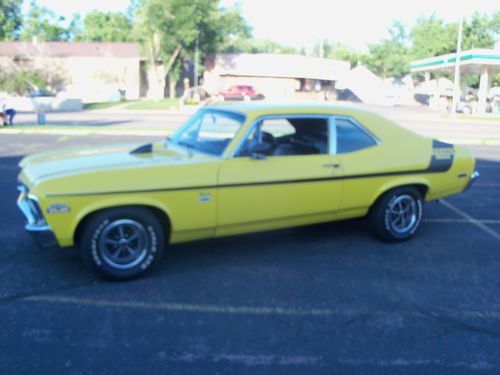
[69,49]
[280,66]
[470,61]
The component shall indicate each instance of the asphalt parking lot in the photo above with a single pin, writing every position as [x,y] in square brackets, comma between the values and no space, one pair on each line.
[320,299]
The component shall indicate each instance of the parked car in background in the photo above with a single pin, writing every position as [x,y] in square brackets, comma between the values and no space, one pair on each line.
[239,92]
[235,169]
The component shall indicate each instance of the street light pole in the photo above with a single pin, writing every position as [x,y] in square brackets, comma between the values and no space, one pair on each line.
[456,80]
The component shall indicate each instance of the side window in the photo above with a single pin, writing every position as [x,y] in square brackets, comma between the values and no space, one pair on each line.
[351,137]
[277,127]
[287,137]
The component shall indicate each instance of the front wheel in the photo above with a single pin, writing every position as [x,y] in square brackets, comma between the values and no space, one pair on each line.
[122,243]
[397,215]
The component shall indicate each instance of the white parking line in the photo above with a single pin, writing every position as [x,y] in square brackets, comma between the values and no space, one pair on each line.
[471,220]
[487,184]
[259,310]
[197,308]
[460,221]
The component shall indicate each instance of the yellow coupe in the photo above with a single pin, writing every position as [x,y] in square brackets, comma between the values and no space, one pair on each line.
[237,169]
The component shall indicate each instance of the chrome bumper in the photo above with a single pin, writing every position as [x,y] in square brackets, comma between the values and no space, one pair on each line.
[35,222]
[473,177]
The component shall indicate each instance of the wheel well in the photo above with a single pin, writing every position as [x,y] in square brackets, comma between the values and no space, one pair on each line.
[158,213]
[421,188]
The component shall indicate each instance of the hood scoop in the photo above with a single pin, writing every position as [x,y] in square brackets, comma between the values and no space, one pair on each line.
[144,149]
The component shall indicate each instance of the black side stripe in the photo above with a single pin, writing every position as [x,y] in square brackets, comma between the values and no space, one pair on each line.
[442,156]
[309,180]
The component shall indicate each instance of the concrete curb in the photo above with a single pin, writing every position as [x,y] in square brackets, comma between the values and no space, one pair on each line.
[140,132]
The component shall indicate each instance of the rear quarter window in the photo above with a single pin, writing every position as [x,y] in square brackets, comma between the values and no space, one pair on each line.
[351,137]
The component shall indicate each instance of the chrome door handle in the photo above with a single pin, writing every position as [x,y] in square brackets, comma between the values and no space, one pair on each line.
[332,165]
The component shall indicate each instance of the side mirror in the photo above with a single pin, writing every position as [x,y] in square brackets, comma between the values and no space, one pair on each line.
[257,156]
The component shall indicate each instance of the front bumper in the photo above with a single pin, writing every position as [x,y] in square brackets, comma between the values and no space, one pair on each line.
[35,222]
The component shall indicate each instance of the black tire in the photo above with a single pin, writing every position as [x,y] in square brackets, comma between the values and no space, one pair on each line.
[396,216]
[122,243]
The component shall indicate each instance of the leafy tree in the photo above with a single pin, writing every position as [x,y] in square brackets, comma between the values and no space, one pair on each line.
[481,31]
[432,37]
[165,27]
[43,23]
[106,27]
[254,45]
[227,29]
[323,48]
[346,53]
[22,80]
[339,51]
[75,27]
[390,57]
[10,18]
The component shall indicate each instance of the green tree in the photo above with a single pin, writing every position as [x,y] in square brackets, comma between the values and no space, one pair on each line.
[43,23]
[166,27]
[390,57]
[10,19]
[432,37]
[106,27]
[481,31]
[340,51]
[21,81]
[255,45]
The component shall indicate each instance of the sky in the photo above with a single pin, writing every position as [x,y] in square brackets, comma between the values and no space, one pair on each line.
[300,23]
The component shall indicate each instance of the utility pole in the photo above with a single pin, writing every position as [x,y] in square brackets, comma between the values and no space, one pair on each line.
[196,52]
[456,80]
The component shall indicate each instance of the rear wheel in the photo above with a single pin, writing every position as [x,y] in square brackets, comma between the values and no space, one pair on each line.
[122,243]
[397,215]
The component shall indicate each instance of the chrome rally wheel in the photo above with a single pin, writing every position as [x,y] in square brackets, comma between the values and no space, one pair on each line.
[402,213]
[122,243]
[396,215]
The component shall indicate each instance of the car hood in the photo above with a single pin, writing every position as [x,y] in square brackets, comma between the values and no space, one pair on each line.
[54,164]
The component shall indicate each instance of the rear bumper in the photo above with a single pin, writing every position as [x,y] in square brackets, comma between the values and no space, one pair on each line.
[35,222]
[473,177]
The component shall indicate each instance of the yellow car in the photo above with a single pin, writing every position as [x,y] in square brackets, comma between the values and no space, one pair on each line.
[237,169]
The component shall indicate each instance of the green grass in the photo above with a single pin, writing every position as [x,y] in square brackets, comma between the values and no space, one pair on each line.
[100,105]
[495,117]
[155,104]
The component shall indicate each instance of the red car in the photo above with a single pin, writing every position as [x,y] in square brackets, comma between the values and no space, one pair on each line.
[239,92]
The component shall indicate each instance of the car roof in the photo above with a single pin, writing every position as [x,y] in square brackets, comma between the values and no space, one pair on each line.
[380,126]
[267,108]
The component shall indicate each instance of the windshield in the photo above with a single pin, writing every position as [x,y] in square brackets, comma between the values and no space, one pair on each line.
[209,131]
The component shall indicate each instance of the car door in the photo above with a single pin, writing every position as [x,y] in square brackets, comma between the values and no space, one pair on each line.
[283,173]
[361,155]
